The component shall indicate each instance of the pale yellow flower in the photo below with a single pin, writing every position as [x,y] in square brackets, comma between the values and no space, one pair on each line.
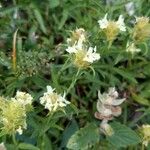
[141,29]
[145,132]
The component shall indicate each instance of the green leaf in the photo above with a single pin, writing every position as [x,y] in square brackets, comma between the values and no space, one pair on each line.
[123,136]
[68,132]
[139,99]
[84,138]
[27,146]
[53,3]
[45,143]
[125,74]
[39,18]
[63,20]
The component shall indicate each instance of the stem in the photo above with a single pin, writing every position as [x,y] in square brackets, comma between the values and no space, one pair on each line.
[142,147]
[109,44]
[49,117]
[73,82]
[48,120]
[14,141]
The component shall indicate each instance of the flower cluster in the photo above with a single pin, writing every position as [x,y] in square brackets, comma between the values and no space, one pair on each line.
[13,113]
[112,28]
[83,56]
[145,133]
[53,101]
[141,32]
[141,29]
[108,108]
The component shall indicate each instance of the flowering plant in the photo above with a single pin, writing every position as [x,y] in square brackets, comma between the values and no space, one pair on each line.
[74,75]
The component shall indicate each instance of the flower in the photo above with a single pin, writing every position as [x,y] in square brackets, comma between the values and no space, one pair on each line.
[91,55]
[106,128]
[121,24]
[130,8]
[132,48]
[145,133]
[141,29]
[83,56]
[13,117]
[19,130]
[103,23]
[14,113]
[107,105]
[142,21]
[108,108]
[52,101]
[112,28]
[76,35]
[23,98]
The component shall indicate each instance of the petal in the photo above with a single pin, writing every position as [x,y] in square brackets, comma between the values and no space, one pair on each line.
[49,89]
[116,102]
[71,49]
[101,117]
[103,23]
[121,24]
[116,111]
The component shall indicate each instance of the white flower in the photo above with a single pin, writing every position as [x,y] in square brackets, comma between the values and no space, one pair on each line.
[76,47]
[106,128]
[103,23]
[51,100]
[132,48]
[72,49]
[110,98]
[130,8]
[121,24]
[19,130]
[108,105]
[103,110]
[2,146]
[23,98]
[91,55]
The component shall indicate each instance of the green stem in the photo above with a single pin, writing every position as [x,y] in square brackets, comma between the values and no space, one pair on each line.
[50,115]
[14,141]
[142,147]
[109,44]
[73,81]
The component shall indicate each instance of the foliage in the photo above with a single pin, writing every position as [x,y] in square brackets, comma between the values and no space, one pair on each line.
[38,58]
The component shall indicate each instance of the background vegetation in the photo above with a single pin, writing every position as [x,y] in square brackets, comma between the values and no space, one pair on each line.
[43,27]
